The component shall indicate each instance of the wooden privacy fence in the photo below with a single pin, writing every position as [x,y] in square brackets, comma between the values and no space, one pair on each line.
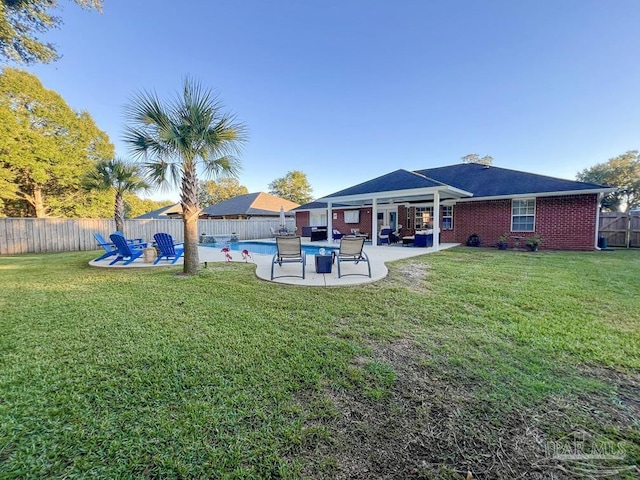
[620,229]
[39,235]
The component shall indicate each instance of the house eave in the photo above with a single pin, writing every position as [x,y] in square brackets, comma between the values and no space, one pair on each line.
[537,194]
[399,195]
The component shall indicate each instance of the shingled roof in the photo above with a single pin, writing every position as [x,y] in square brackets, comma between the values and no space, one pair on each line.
[249,205]
[171,211]
[469,180]
[396,180]
[490,181]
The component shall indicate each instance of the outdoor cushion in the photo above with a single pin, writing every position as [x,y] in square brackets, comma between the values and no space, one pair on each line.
[423,240]
[383,236]
[337,235]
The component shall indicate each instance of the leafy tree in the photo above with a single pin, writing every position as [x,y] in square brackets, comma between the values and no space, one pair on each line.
[212,191]
[622,172]
[20,23]
[99,204]
[46,147]
[8,187]
[175,138]
[293,186]
[475,158]
[119,178]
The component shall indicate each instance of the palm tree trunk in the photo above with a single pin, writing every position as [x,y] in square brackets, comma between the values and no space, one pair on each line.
[190,211]
[118,214]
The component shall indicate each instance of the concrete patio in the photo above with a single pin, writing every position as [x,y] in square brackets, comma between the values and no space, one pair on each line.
[378,257]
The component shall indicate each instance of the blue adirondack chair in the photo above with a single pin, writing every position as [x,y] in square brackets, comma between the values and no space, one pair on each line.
[126,253]
[135,242]
[168,249]
[109,248]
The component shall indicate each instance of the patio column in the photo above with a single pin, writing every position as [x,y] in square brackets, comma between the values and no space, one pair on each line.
[598,201]
[374,222]
[436,220]
[329,222]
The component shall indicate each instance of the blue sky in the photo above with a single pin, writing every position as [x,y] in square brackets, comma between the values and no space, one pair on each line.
[346,90]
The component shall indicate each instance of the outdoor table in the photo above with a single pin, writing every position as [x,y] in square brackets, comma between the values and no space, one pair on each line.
[150,254]
[323,263]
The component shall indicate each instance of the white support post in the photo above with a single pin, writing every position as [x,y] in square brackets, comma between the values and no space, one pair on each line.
[598,201]
[374,222]
[329,222]
[436,220]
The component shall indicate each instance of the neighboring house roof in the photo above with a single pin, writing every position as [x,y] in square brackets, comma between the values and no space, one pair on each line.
[172,211]
[250,204]
[492,181]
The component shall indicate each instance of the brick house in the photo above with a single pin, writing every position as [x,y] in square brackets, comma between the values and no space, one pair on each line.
[464,199]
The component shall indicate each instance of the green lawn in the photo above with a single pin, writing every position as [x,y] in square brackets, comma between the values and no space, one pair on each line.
[466,360]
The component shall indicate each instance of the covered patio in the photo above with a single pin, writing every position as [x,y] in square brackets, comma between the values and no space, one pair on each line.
[388,192]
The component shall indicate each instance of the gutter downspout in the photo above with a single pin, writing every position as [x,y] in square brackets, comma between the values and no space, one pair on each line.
[600,197]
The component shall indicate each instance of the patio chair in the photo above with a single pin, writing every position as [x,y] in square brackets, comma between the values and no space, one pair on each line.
[109,248]
[351,251]
[394,237]
[383,236]
[337,235]
[168,249]
[289,251]
[131,241]
[126,252]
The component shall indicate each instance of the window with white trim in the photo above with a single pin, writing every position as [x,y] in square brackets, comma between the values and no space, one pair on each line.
[447,217]
[352,216]
[318,219]
[523,215]
[424,217]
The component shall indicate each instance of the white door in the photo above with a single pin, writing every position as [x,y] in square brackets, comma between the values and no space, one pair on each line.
[388,216]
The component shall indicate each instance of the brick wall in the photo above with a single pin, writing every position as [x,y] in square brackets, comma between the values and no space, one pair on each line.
[403,220]
[448,236]
[364,225]
[567,223]
[563,223]
[488,219]
[302,220]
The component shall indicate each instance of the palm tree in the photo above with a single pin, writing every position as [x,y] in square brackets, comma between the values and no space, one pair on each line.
[120,177]
[176,138]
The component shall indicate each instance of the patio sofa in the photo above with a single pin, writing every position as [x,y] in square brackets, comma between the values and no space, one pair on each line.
[315,233]
[419,239]
[423,240]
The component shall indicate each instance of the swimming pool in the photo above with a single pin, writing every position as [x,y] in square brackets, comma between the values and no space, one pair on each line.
[269,248]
